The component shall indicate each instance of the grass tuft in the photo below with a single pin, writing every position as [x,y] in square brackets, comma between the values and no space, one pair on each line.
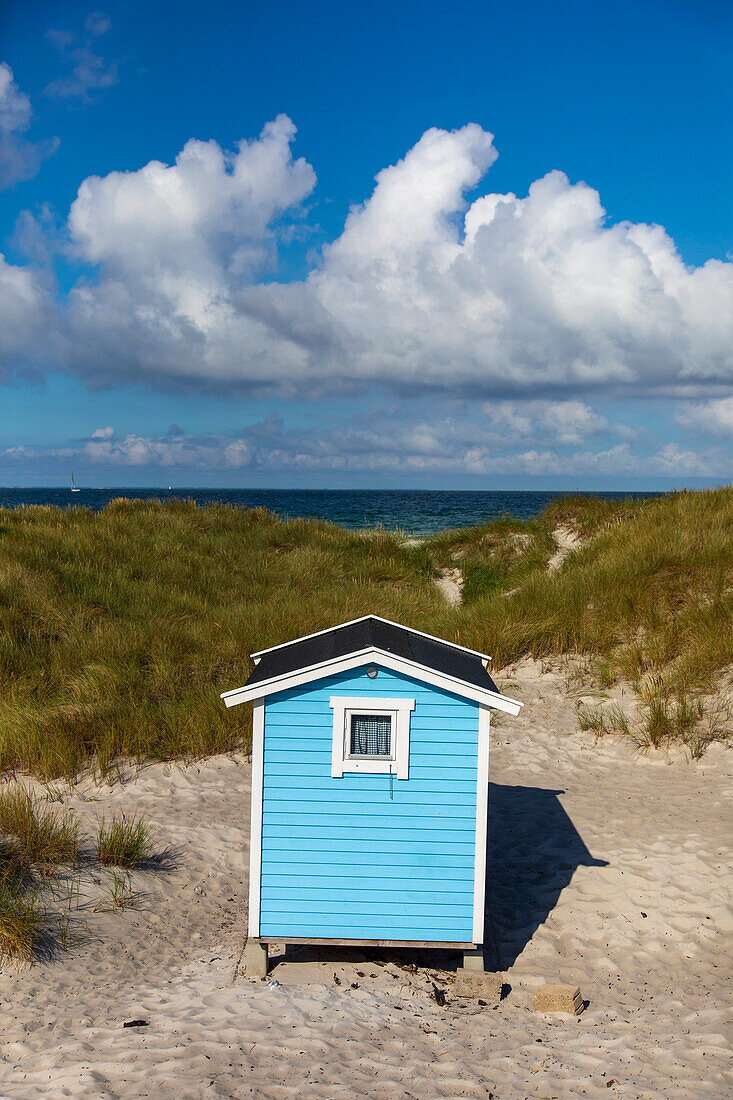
[125,842]
[21,918]
[44,836]
[609,720]
[36,837]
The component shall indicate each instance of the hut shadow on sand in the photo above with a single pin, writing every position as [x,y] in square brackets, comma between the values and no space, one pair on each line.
[533,852]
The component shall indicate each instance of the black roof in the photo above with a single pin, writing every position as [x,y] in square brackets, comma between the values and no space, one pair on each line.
[349,638]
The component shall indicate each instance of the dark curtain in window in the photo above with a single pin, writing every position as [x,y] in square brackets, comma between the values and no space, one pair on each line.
[370,734]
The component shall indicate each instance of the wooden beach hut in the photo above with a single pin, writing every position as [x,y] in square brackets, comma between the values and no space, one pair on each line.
[370,771]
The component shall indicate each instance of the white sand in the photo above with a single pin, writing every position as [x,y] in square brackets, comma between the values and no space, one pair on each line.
[450,584]
[567,541]
[646,937]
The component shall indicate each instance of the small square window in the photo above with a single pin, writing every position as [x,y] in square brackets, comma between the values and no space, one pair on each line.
[370,735]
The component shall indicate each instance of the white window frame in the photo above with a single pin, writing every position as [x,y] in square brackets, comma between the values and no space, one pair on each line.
[344,707]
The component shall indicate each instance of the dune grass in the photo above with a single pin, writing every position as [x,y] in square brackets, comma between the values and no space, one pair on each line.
[119,629]
[649,596]
[42,835]
[652,584]
[40,869]
[124,842]
[35,837]
[21,918]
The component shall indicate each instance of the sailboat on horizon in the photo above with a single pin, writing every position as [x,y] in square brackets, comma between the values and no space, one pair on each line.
[73,485]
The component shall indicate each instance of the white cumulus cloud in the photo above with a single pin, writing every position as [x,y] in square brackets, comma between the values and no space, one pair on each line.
[25,317]
[530,304]
[421,291]
[672,459]
[176,244]
[565,422]
[709,416]
[20,158]
[173,450]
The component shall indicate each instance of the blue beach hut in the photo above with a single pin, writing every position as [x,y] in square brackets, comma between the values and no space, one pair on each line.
[370,770]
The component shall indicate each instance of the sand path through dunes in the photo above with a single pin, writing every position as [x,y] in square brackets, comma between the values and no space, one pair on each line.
[567,541]
[450,584]
[606,869]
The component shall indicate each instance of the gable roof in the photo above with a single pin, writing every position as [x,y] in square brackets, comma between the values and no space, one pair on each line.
[448,665]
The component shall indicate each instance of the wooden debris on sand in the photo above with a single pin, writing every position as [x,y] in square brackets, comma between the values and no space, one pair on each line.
[478,983]
[559,998]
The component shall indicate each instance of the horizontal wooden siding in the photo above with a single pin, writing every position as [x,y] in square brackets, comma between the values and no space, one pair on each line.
[368,856]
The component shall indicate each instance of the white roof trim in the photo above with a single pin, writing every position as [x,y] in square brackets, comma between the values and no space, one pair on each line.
[254,693]
[300,676]
[350,622]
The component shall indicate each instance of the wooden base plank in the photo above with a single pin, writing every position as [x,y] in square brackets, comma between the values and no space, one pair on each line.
[451,945]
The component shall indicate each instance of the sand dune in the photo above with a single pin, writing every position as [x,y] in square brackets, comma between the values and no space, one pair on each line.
[607,869]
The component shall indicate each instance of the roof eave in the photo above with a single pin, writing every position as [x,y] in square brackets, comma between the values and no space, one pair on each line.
[248,692]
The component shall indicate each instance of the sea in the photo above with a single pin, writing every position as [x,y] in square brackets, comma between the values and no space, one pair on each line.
[418,511]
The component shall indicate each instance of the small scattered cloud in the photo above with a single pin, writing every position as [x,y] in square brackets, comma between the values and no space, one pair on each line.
[39,235]
[563,422]
[20,158]
[390,445]
[60,40]
[182,451]
[89,72]
[714,416]
[97,23]
[15,106]
[675,461]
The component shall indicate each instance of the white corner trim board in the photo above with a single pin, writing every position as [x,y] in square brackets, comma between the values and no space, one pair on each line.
[398,762]
[255,836]
[482,817]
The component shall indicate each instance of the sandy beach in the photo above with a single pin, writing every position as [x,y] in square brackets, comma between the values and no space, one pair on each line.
[607,868]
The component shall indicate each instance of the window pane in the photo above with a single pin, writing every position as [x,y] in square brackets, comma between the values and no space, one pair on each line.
[370,734]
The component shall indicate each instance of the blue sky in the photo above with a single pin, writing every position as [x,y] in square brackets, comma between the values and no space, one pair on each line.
[482,247]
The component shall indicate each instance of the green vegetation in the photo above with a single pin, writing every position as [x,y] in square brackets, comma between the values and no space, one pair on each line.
[34,839]
[119,629]
[21,919]
[125,842]
[39,859]
[648,598]
[611,720]
[42,835]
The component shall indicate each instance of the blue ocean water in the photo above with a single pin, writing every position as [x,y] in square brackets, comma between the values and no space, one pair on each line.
[419,511]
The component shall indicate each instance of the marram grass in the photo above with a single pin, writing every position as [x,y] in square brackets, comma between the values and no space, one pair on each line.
[38,841]
[119,629]
[41,834]
[124,841]
[22,923]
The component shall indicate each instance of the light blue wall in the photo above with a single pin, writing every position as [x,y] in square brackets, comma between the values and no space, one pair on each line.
[368,856]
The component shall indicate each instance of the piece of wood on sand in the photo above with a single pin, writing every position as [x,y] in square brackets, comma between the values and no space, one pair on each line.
[479,984]
[558,998]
